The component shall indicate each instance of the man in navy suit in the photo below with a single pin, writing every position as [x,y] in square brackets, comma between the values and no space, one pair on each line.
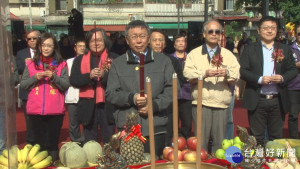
[266,77]
[31,39]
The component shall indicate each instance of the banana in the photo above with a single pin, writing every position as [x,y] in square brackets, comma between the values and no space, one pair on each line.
[20,165]
[39,157]
[34,150]
[5,153]
[3,167]
[19,156]
[25,152]
[44,163]
[3,160]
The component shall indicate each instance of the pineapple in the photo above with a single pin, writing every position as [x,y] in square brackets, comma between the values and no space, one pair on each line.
[133,150]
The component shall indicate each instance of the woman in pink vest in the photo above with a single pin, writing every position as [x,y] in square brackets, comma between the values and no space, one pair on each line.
[46,78]
[89,73]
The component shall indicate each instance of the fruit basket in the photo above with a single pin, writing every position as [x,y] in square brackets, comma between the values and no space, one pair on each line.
[184,165]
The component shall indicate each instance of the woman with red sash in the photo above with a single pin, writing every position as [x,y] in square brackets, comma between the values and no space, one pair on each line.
[89,74]
[46,78]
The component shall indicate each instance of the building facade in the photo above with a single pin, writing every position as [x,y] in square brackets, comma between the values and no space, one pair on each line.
[114,15]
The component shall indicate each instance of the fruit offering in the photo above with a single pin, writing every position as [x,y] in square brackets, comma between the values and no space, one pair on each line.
[220,153]
[28,157]
[186,150]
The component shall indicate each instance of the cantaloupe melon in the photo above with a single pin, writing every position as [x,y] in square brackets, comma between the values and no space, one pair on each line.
[275,150]
[72,155]
[92,149]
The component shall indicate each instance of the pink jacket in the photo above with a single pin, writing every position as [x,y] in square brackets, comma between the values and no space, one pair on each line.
[45,98]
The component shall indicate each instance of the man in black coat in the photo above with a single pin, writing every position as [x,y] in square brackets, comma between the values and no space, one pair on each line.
[22,55]
[267,67]
[76,24]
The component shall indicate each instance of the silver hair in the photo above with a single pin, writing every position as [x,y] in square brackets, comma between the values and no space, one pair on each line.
[209,21]
[137,23]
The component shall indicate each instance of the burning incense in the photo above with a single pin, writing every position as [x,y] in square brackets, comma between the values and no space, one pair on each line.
[142,64]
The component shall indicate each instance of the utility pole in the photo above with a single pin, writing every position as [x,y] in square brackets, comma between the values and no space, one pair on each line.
[265,7]
[30,14]
[179,3]
[206,11]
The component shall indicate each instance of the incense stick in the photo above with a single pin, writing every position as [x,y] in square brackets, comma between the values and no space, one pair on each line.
[151,126]
[199,122]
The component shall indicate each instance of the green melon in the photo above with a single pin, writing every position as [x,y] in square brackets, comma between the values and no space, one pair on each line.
[93,150]
[72,155]
[275,150]
[297,151]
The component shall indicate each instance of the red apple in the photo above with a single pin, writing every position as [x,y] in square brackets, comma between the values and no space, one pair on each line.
[192,143]
[181,143]
[190,156]
[204,155]
[171,156]
[166,151]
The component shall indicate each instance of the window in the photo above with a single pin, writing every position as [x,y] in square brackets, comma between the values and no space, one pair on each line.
[61,4]
[229,4]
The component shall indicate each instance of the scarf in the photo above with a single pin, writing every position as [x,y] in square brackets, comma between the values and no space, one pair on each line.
[88,91]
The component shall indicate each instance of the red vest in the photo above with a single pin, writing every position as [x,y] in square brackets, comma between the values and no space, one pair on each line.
[45,98]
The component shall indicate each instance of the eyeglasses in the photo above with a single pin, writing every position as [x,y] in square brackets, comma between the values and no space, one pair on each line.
[47,46]
[141,36]
[211,31]
[31,38]
[266,28]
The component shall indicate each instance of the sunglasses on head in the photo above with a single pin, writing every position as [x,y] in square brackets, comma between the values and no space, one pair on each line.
[31,38]
[211,31]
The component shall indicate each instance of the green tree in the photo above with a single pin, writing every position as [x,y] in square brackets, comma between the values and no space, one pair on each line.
[233,30]
[290,8]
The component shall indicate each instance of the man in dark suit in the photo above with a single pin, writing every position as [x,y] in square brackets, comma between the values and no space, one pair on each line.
[22,55]
[267,67]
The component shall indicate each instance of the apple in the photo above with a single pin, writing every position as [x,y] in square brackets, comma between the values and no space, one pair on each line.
[237,140]
[185,151]
[204,155]
[166,151]
[238,146]
[171,156]
[220,153]
[181,143]
[231,140]
[192,143]
[226,143]
[190,156]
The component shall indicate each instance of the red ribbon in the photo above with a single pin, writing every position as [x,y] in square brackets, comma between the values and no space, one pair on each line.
[136,131]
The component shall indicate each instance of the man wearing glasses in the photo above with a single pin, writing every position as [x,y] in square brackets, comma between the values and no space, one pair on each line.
[267,67]
[294,89]
[123,89]
[22,55]
[218,77]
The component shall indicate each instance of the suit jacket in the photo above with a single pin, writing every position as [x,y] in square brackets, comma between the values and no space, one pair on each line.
[251,61]
[20,60]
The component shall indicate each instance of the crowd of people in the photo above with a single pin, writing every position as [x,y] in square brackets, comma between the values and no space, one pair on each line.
[96,80]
